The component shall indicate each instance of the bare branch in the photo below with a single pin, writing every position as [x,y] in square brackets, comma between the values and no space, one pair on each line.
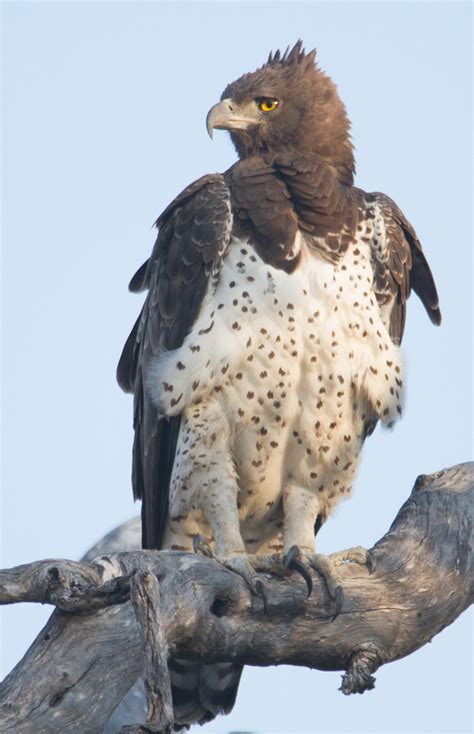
[423,580]
[146,601]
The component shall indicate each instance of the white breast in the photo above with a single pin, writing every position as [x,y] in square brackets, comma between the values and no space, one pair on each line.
[299,363]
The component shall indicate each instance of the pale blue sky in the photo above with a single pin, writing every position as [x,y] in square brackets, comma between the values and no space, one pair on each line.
[103,123]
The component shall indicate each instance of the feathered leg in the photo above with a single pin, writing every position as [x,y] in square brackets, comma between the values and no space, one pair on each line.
[205,482]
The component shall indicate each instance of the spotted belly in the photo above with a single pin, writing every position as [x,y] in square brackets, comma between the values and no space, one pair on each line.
[278,381]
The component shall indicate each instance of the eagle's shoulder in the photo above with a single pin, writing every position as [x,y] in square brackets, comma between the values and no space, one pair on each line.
[193,233]
[209,191]
[399,262]
[212,184]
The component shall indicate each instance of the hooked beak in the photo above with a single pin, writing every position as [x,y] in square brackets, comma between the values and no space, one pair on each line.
[226,116]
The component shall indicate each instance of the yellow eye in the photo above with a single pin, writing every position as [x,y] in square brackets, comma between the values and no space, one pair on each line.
[268,104]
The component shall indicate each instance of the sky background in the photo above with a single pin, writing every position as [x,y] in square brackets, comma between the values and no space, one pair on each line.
[104,109]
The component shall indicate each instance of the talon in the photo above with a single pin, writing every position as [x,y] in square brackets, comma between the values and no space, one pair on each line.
[293,554]
[300,568]
[200,545]
[338,599]
[292,561]
[371,562]
[262,593]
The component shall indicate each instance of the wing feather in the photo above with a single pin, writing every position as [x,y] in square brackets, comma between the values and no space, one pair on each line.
[401,266]
[194,231]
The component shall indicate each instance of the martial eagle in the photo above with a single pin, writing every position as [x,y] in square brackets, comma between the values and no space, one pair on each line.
[267,348]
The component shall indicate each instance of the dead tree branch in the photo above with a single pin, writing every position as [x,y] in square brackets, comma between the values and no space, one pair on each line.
[92,649]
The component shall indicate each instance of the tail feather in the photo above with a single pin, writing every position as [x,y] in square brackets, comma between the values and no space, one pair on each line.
[218,687]
[201,692]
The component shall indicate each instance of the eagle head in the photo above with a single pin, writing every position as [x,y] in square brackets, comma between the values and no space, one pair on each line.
[288,104]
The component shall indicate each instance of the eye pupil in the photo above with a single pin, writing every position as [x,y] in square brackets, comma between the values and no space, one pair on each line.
[268,105]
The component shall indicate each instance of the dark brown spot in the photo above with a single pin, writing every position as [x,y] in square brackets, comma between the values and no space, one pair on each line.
[175,401]
[206,331]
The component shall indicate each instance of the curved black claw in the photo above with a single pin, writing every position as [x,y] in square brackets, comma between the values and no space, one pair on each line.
[262,593]
[371,562]
[338,601]
[200,545]
[292,561]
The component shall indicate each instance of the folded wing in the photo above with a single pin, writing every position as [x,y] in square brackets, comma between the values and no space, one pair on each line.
[193,233]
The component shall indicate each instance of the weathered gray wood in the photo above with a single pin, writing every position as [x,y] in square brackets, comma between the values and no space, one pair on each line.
[80,666]
[145,593]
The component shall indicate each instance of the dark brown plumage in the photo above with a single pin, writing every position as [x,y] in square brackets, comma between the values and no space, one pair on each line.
[311,118]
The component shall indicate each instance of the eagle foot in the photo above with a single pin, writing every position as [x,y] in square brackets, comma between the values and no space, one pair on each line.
[201,546]
[299,561]
[326,566]
[242,564]
[246,566]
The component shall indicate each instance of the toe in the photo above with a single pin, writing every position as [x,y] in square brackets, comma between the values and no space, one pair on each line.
[292,562]
[358,555]
[200,545]
[327,569]
[242,566]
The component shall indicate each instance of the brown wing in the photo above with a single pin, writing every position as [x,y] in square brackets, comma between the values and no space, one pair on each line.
[401,266]
[194,231]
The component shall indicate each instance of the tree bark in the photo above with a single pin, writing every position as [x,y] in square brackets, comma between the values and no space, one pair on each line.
[97,644]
